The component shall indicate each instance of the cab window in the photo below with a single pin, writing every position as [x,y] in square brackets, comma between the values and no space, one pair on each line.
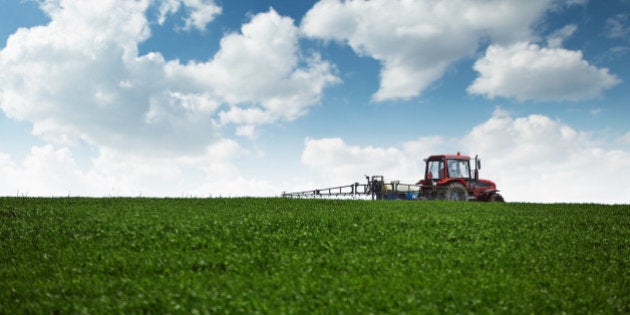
[459,168]
[435,170]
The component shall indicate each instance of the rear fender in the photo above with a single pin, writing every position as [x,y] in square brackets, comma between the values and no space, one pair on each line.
[448,181]
[441,186]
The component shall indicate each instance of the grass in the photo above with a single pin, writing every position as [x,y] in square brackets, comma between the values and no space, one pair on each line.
[140,255]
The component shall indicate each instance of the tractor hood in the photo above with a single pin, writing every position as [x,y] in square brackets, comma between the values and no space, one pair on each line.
[486,184]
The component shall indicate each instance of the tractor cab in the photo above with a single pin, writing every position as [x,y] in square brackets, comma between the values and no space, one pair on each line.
[450,177]
[447,167]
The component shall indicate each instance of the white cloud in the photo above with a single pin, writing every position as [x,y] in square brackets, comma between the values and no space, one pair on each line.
[416,41]
[199,12]
[261,74]
[223,177]
[596,111]
[81,77]
[528,72]
[51,171]
[45,172]
[536,158]
[531,158]
[337,162]
[619,26]
[555,39]
[576,2]
[202,13]
[342,163]
[248,131]
[157,126]
[214,173]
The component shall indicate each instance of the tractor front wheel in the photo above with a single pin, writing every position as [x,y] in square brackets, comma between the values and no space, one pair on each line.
[456,192]
[496,198]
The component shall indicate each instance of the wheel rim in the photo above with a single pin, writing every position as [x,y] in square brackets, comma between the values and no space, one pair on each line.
[456,195]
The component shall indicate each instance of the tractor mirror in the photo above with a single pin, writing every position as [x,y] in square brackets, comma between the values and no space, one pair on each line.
[478,164]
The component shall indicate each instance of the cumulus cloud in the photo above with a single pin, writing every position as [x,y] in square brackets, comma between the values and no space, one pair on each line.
[80,77]
[341,162]
[533,158]
[50,170]
[416,41]
[530,72]
[260,73]
[198,12]
[213,173]
[157,126]
[337,162]
[536,158]
[45,171]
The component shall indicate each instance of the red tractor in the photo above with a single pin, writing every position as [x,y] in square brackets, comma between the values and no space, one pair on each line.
[446,177]
[450,177]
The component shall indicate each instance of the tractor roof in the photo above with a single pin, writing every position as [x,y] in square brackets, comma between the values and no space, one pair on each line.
[457,156]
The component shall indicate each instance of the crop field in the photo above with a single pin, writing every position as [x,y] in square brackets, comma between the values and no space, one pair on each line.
[273,256]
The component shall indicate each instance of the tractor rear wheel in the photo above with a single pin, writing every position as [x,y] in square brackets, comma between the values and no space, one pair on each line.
[456,192]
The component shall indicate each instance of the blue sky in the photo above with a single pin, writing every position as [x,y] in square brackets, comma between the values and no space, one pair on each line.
[229,98]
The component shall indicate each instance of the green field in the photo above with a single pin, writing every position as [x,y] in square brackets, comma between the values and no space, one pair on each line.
[271,256]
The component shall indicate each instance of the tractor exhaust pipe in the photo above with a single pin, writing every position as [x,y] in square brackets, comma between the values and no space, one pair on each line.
[477,167]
